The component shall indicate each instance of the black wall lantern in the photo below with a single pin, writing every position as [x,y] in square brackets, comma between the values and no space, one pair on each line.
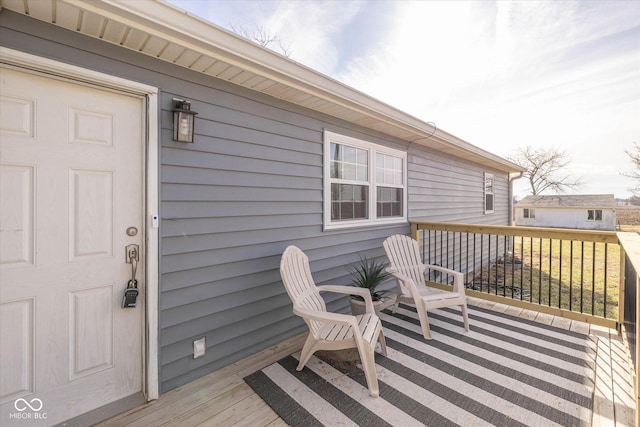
[183,120]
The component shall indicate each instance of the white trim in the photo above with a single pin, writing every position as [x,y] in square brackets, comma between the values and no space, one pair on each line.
[153,249]
[48,66]
[372,149]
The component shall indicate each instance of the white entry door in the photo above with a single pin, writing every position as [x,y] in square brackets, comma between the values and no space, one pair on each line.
[71,179]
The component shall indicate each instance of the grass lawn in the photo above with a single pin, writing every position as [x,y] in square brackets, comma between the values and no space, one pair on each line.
[561,273]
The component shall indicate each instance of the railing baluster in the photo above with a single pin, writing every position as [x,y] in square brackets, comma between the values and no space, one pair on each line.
[550,275]
[531,267]
[482,261]
[582,278]
[432,245]
[521,266]
[497,261]
[460,250]
[512,243]
[475,260]
[467,269]
[571,277]
[605,280]
[489,265]
[448,234]
[560,277]
[441,255]
[504,267]
[593,280]
[540,274]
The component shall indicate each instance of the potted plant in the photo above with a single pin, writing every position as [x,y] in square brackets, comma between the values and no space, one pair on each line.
[368,274]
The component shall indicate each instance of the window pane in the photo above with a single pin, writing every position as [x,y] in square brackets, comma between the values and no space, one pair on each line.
[363,157]
[590,215]
[349,163]
[362,173]
[349,154]
[335,169]
[598,215]
[488,185]
[335,150]
[389,202]
[349,171]
[349,201]
[397,178]
[397,163]
[488,202]
[388,169]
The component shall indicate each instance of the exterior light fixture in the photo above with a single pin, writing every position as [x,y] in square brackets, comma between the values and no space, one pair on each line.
[183,120]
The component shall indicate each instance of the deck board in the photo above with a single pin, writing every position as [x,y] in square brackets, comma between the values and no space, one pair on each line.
[222,398]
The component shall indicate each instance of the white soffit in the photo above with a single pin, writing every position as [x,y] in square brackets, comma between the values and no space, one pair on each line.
[160,30]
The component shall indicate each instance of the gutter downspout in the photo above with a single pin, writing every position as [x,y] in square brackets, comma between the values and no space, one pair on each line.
[511,179]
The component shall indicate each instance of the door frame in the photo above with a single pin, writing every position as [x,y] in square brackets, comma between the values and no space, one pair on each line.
[22,60]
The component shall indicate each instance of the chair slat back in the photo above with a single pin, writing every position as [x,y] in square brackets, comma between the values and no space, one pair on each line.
[404,255]
[297,279]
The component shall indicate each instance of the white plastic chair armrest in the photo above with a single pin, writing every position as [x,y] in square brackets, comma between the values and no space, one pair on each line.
[458,277]
[351,290]
[407,281]
[395,273]
[326,316]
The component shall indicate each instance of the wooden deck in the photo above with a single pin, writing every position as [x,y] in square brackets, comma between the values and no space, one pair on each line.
[222,398]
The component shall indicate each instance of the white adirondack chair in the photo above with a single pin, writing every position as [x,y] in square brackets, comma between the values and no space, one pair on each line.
[407,267]
[331,331]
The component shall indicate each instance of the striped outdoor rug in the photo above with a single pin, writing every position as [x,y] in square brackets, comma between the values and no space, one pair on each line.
[506,371]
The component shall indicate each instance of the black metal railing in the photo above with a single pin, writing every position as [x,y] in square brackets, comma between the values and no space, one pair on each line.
[572,270]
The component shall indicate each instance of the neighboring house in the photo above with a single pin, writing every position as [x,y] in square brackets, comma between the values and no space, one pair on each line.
[282,155]
[583,211]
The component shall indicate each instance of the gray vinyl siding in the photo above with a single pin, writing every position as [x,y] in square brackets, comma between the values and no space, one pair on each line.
[248,187]
[446,189]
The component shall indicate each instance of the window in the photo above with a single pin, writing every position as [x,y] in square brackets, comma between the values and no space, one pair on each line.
[365,183]
[488,193]
[594,215]
[529,213]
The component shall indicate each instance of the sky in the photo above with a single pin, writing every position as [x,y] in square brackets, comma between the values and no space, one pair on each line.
[500,75]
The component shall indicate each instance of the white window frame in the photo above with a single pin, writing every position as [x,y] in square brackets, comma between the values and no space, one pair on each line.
[492,193]
[372,150]
[529,213]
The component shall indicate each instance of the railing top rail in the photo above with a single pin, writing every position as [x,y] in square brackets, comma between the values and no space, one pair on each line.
[631,244]
[538,232]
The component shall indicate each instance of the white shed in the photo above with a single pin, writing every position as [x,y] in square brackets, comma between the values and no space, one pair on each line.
[585,211]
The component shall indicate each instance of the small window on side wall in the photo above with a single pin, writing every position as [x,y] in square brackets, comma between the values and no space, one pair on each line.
[594,215]
[529,213]
[488,193]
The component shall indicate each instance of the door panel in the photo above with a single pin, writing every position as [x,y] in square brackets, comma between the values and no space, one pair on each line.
[71,171]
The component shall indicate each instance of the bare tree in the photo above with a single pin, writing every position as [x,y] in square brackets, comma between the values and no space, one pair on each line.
[264,38]
[634,155]
[544,170]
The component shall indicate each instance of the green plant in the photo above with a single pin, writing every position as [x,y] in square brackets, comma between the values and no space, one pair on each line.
[369,274]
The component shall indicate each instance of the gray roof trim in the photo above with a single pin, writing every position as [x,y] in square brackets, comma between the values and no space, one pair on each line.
[578,201]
